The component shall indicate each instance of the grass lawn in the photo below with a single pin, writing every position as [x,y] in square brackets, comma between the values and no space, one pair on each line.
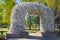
[32,30]
[6,29]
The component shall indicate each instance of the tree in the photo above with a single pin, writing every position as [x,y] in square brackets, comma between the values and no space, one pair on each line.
[29,0]
[2,10]
[35,20]
[28,21]
[8,5]
[9,8]
[32,20]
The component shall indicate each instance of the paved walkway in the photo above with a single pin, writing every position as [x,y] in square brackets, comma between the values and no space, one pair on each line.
[36,36]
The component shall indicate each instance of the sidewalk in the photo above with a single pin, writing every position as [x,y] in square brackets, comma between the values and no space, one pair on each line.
[36,36]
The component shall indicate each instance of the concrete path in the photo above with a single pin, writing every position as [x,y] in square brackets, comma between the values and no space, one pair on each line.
[36,36]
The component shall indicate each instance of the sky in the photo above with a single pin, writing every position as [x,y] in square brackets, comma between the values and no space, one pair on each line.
[18,1]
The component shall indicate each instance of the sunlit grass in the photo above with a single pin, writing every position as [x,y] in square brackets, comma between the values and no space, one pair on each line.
[6,29]
[56,30]
[32,30]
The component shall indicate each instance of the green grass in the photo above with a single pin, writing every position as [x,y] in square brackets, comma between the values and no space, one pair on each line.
[4,29]
[57,30]
[32,30]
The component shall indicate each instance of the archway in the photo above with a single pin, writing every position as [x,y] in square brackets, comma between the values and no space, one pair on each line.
[19,12]
[32,21]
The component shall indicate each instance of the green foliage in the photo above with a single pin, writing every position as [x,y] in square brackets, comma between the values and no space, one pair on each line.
[45,2]
[1,10]
[35,19]
[1,18]
[29,0]
[6,8]
[28,21]
[32,20]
